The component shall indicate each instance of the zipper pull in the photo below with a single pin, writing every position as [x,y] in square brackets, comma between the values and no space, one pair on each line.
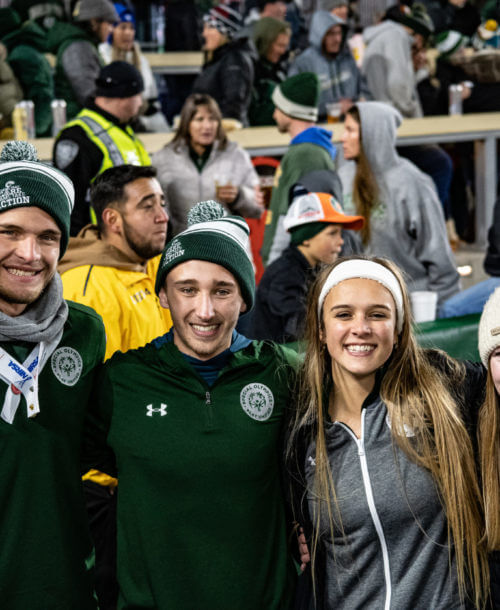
[361,449]
[208,401]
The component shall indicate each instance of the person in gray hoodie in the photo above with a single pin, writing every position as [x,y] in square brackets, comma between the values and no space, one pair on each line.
[329,57]
[405,221]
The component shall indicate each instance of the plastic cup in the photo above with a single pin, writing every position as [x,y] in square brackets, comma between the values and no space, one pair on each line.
[423,305]
[333,112]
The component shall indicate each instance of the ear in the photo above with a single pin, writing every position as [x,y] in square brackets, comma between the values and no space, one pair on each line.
[163,298]
[243,307]
[112,219]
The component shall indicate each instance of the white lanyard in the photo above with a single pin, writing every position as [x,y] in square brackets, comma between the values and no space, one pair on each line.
[23,379]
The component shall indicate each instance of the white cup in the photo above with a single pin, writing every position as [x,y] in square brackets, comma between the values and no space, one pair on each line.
[423,305]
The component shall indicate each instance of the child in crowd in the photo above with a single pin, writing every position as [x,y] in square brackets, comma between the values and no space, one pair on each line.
[315,222]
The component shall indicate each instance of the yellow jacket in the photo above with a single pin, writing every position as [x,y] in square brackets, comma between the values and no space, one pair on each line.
[121,292]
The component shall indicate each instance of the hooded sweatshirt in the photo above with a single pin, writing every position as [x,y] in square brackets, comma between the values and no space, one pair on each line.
[99,275]
[26,47]
[388,67]
[339,76]
[310,150]
[407,223]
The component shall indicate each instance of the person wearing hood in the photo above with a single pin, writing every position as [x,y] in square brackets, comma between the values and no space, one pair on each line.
[403,217]
[331,59]
[228,72]
[271,38]
[26,47]
[111,267]
[77,57]
[122,47]
[311,148]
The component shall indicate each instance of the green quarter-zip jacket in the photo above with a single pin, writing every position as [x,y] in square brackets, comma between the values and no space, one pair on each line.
[201,520]
[45,549]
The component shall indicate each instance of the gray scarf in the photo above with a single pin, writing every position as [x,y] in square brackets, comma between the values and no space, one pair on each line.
[41,321]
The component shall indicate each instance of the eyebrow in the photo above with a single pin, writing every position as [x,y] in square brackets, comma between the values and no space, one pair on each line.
[192,282]
[348,305]
[19,228]
[151,196]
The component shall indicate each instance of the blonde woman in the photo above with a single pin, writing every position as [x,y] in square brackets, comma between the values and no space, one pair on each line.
[382,465]
[489,435]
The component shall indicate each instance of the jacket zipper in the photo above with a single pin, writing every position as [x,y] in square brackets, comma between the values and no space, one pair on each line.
[360,442]
[209,411]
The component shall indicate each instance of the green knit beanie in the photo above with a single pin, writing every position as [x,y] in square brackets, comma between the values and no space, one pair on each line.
[301,233]
[298,96]
[449,42]
[215,238]
[27,182]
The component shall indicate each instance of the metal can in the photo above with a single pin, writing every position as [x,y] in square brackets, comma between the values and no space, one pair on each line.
[23,120]
[58,108]
[455,99]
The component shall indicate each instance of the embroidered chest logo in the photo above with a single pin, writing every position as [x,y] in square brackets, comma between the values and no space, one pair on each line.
[12,194]
[257,401]
[161,410]
[175,249]
[67,365]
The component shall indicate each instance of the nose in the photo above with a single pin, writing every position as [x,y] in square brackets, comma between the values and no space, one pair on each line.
[204,306]
[28,249]
[162,215]
[361,326]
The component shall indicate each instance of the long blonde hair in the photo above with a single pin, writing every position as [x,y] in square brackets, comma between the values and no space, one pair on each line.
[489,457]
[418,395]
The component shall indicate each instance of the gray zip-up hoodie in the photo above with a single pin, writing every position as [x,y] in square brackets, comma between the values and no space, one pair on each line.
[339,76]
[388,67]
[408,224]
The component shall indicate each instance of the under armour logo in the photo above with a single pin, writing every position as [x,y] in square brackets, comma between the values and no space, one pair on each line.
[311,461]
[161,410]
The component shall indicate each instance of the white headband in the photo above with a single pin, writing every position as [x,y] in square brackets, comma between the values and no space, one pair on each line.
[369,270]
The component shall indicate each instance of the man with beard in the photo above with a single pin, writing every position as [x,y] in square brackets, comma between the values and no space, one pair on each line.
[101,135]
[112,267]
[49,351]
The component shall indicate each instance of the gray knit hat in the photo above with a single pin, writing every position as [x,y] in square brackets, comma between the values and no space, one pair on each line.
[211,236]
[95,9]
[26,182]
[489,327]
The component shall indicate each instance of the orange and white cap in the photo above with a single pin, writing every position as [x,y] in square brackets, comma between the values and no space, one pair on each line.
[319,207]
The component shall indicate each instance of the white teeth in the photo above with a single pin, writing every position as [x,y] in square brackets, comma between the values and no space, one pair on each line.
[360,348]
[21,272]
[204,329]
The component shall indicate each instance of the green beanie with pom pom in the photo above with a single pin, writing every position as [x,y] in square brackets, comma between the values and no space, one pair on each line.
[211,236]
[27,182]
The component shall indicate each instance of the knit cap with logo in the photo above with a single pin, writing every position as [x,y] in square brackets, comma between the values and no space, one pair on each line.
[216,238]
[489,327]
[27,182]
[298,96]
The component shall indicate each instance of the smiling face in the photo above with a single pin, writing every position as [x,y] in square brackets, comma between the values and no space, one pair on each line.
[350,138]
[29,250]
[205,302]
[359,318]
[141,220]
[495,368]
[203,127]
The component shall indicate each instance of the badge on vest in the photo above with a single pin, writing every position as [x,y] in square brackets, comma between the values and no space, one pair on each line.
[257,401]
[67,365]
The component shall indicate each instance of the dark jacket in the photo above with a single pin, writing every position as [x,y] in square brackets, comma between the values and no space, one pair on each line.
[26,47]
[280,302]
[385,462]
[492,260]
[228,78]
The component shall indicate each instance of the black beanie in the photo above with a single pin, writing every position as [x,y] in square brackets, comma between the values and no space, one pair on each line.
[119,79]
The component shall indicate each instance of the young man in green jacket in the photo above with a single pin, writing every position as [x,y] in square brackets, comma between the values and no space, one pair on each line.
[195,421]
[49,351]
